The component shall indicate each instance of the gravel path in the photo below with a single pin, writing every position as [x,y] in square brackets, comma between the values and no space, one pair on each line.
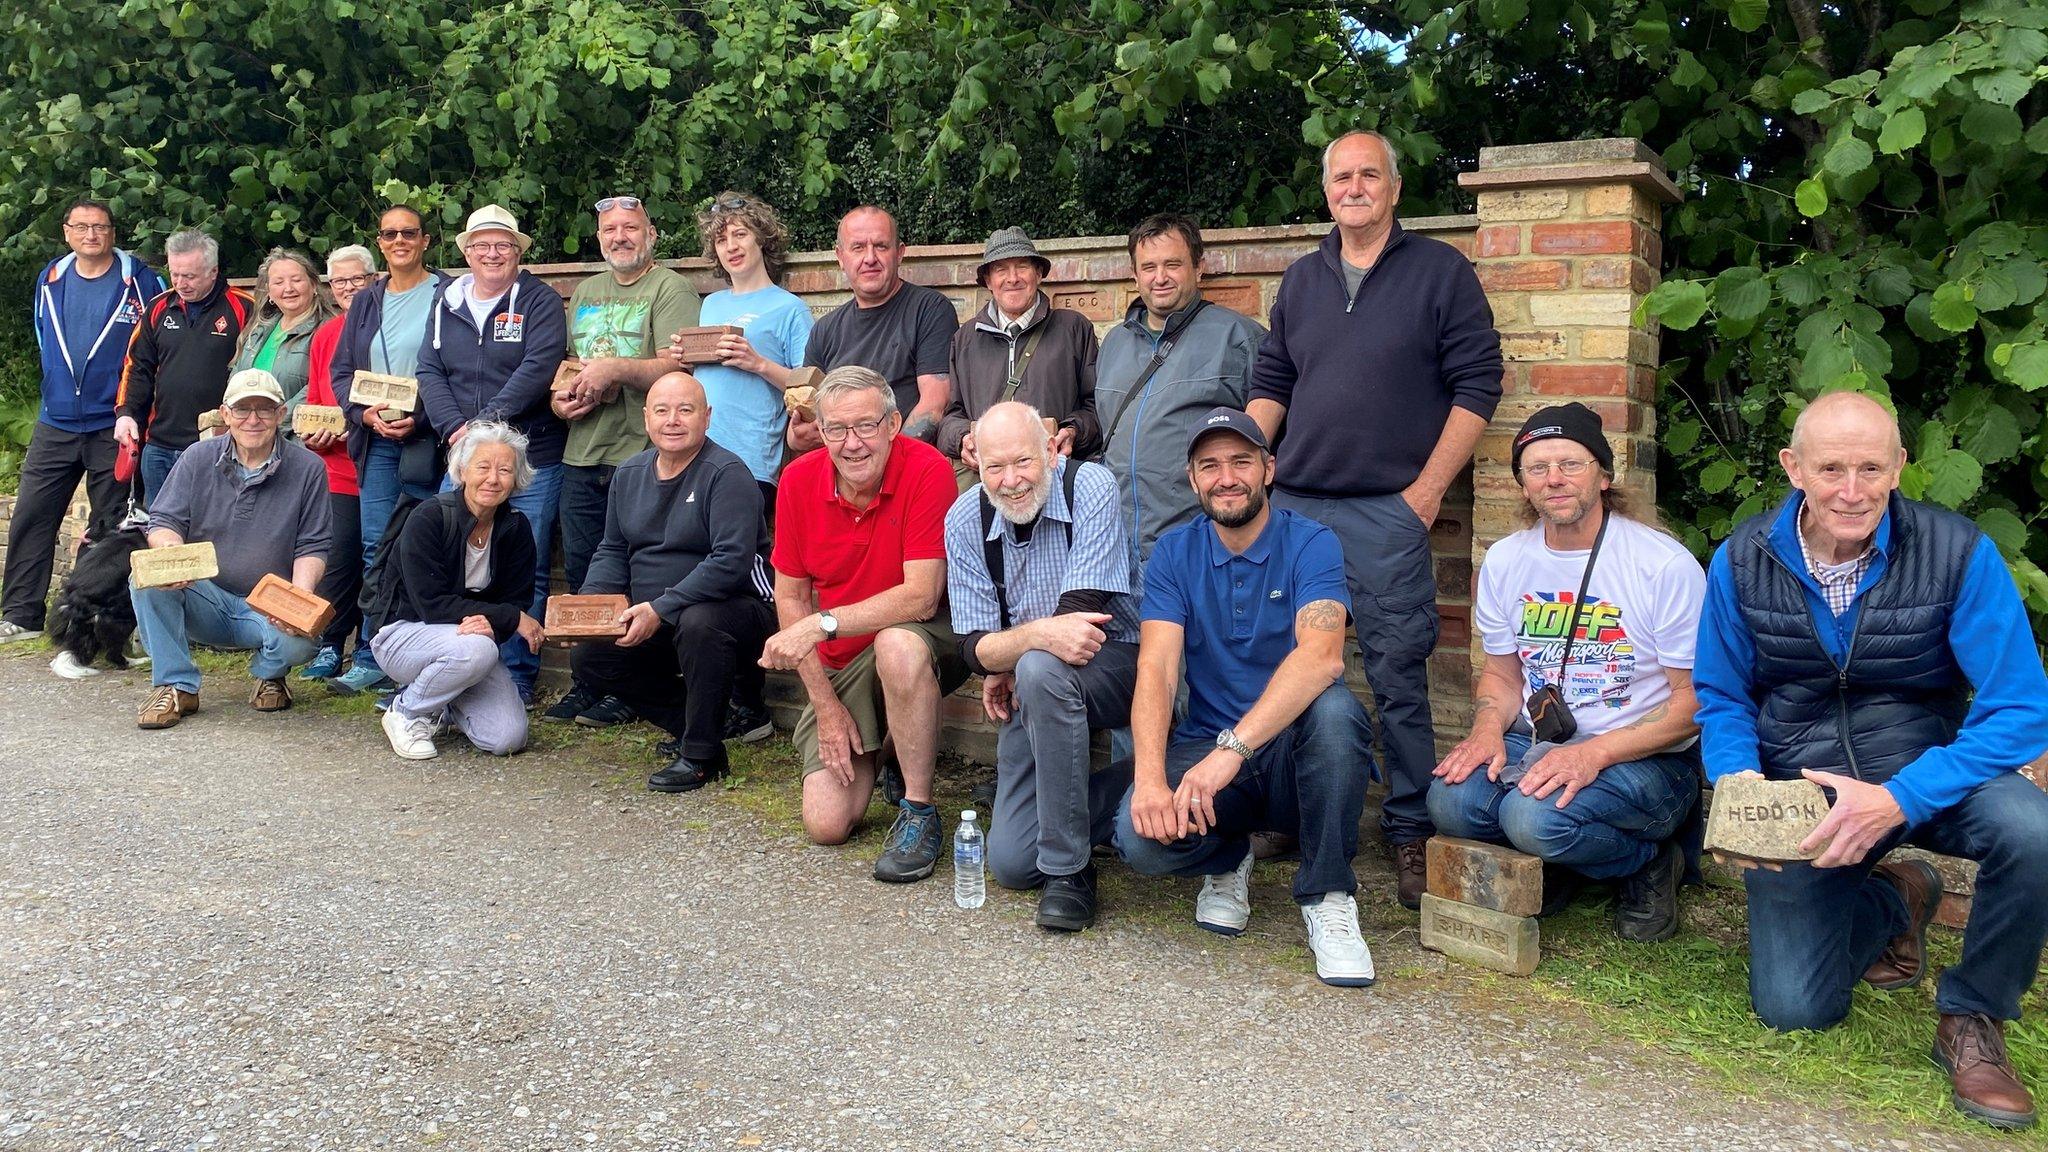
[213,938]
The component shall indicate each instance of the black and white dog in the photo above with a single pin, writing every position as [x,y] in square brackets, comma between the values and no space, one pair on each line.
[94,616]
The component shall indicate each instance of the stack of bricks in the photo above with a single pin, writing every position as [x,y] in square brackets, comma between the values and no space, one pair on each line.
[1481,905]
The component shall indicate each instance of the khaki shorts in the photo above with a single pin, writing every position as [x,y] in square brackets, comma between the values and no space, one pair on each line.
[859,687]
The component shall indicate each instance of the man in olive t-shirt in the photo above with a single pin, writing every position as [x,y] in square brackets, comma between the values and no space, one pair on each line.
[618,320]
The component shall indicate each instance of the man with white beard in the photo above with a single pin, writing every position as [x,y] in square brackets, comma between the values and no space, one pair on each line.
[1040,582]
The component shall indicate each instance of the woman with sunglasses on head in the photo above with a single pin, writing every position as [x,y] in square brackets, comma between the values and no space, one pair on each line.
[350,268]
[386,324]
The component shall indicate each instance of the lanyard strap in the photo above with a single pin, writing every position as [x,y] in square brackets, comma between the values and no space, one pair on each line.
[1571,633]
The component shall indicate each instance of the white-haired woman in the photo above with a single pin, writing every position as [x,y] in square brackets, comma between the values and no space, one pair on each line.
[350,269]
[457,585]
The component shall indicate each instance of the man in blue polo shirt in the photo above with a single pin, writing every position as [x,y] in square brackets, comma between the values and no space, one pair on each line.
[1255,598]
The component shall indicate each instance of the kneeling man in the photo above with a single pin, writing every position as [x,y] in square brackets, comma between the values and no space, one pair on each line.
[860,570]
[261,500]
[1602,608]
[1039,580]
[1877,646]
[1254,598]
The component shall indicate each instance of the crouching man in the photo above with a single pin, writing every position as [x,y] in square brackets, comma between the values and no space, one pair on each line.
[1254,598]
[1039,580]
[261,500]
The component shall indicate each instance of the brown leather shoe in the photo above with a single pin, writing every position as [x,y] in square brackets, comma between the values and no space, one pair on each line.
[166,706]
[1904,961]
[1411,873]
[1971,1049]
[271,696]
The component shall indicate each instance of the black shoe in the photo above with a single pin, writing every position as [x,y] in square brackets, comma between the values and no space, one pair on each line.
[747,724]
[983,797]
[1647,909]
[607,713]
[571,705]
[1561,885]
[687,775]
[1067,903]
[890,777]
[913,849]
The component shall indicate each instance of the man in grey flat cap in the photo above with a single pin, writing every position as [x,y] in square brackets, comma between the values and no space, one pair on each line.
[1018,347]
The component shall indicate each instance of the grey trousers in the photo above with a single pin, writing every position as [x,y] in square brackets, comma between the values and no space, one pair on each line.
[1050,808]
[442,669]
[1393,606]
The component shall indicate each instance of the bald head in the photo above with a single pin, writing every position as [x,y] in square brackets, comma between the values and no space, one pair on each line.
[678,416]
[1847,412]
[869,253]
[1010,429]
[1015,451]
[675,388]
[1846,458]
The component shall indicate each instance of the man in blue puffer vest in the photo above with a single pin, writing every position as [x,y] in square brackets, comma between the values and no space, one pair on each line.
[87,304]
[1877,646]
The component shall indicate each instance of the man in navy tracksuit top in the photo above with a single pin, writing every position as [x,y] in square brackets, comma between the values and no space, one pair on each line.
[87,305]
[496,337]
[1383,365]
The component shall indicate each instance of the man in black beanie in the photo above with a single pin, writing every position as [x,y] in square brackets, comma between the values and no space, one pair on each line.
[1583,748]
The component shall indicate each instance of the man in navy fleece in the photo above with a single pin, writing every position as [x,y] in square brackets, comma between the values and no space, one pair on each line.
[1381,368]
[1877,647]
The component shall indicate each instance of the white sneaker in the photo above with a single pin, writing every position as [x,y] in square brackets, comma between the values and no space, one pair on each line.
[10,632]
[67,666]
[1342,959]
[412,737]
[1225,904]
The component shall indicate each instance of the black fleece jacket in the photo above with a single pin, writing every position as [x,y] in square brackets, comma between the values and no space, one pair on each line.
[429,568]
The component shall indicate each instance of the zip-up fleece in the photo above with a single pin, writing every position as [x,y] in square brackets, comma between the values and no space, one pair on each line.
[1369,379]
[501,371]
[81,385]
[178,362]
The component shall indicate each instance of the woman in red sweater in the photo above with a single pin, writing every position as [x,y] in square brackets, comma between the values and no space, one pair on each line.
[349,270]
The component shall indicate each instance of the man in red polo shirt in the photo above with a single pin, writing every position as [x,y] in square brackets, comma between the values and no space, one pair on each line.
[860,570]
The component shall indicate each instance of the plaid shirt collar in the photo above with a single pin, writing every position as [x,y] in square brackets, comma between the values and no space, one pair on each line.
[1838,582]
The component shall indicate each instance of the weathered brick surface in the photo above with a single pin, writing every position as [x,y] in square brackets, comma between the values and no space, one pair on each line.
[290,607]
[1579,379]
[156,567]
[1533,346]
[1481,936]
[1530,204]
[1524,275]
[1764,819]
[1577,238]
[1486,875]
[1498,240]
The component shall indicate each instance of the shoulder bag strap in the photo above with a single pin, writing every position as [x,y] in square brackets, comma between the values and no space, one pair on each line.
[1158,359]
[1578,606]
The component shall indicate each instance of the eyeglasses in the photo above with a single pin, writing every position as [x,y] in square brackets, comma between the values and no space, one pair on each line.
[493,247]
[348,281]
[89,229]
[629,203]
[399,233]
[246,413]
[1566,468]
[865,430]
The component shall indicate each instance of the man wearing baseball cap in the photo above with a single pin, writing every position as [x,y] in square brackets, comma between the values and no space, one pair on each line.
[261,500]
[1595,609]
[1254,599]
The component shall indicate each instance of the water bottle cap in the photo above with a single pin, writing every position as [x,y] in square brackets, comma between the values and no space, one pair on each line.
[967,814]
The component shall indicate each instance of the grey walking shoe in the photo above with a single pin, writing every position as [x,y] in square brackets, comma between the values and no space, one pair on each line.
[913,847]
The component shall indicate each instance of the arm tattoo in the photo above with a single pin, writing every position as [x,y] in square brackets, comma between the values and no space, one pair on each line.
[921,428]
[1323,616]
[1661,709]
[1488,702]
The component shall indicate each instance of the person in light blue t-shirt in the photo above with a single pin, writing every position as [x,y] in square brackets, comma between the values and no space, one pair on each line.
[748,246]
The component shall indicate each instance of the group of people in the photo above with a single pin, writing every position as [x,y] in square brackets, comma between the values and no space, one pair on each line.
[1163,535]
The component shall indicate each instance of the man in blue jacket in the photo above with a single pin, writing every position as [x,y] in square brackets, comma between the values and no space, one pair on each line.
[1383,365]
[87,305]
[1877,647]
[496,337]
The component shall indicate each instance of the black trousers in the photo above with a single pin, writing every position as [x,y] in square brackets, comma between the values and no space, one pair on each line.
[342,583]
[49,475]
[715,647]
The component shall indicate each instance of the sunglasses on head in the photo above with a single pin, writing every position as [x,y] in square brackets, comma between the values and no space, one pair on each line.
[629,203]
[731,204]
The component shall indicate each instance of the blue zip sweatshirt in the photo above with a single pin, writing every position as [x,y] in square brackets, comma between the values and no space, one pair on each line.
[1368,379]
[1988,634]
[500,372]
[80,385]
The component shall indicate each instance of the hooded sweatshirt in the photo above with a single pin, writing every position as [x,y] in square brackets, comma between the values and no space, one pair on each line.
[81,384]
[501,370]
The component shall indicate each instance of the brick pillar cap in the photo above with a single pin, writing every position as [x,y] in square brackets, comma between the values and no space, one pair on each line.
[1619,160]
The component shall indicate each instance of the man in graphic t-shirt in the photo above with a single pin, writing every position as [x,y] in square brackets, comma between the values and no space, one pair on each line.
[1606,802]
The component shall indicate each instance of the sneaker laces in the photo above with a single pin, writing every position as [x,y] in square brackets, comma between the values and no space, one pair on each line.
[908,831]
[419,728]
[164,697]
[1333,921]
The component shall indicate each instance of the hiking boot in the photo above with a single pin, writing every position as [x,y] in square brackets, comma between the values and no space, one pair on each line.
[608,712]
[271,696]
[1411,873]
[1067,903]
[1342,959]
[324,665]
[688,775]
[412,737]
[1904,960]
[1646,911]
[571,705]
[167,704]
[1983,1086]
[1561,885]
[1224,906]
[747,723]
[913,846]
[359,678]
[10,632]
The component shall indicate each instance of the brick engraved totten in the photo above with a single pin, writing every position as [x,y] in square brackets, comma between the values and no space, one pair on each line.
[156,567]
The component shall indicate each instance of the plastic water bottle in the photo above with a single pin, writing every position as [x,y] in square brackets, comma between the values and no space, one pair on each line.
[969,888]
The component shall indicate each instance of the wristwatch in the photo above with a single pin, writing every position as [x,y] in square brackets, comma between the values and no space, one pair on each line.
[1228,739]
[828,624]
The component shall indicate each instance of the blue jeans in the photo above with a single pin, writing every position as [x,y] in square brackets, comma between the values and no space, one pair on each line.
[539,502]
[155,465]
[1308,781]
[1813,931]
[1611,829]
[170,621]
[381,489]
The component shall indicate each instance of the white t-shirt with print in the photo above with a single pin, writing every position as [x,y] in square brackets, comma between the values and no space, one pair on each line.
[1641,616]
